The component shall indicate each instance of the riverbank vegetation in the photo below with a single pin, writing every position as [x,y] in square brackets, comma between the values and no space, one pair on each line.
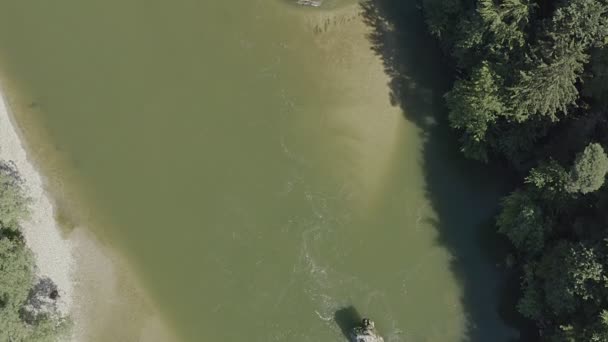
[531,92]
[28,308]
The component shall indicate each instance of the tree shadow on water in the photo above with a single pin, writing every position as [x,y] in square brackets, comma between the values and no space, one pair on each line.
[463,194]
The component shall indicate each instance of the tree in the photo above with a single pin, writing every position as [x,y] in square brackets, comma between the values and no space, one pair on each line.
[441,15]
[552,271]
[16,277]
[13,199]
[596,85]
[589,170]
[549,180]
[531,303]
[549,84]
[582,21]
[523,222]
[571,273]
[506,22]
[474,104]
[548,176]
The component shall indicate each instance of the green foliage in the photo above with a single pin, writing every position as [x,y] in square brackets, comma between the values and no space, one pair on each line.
[468,39]
[584,22]
[16,283]
[557,287]
[13,199]
[570,273]
[506,21]
[521,98]
[513,141]
[584,271]
[531,303]
[589,170]
[565,333]
[442,15]
[596,85]
[548,86]
[475,104]
[522,221]
[595,331]
[549,178]
[49,328]
[16,273]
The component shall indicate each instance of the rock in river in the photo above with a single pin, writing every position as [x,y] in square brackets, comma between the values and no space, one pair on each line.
[366,332]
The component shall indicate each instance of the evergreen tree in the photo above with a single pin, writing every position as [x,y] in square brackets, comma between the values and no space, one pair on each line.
[548,86]
[506,21]
[474,105]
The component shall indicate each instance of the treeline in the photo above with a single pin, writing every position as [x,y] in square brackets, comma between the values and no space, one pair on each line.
[532,92]
[28,307]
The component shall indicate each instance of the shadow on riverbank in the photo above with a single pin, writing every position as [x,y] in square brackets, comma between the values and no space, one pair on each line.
[464,194]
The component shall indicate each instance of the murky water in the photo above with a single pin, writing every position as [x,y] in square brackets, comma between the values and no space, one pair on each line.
[247,161]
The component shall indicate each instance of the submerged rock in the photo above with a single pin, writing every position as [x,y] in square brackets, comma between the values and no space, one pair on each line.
[313,3]
[366,332]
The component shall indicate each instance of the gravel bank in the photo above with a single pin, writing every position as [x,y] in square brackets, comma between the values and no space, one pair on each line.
[53,252]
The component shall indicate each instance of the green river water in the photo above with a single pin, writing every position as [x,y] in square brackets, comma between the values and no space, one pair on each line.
[249,162]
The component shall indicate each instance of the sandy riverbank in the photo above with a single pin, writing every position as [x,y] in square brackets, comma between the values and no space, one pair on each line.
[96,286]
[52,251]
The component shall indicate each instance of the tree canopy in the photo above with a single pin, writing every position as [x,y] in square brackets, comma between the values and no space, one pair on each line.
[589,170]
[531,94]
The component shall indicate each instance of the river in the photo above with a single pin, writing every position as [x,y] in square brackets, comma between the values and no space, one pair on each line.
[257,166]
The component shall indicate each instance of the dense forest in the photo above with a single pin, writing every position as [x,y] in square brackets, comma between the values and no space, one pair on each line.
[28,308]
[531,92]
